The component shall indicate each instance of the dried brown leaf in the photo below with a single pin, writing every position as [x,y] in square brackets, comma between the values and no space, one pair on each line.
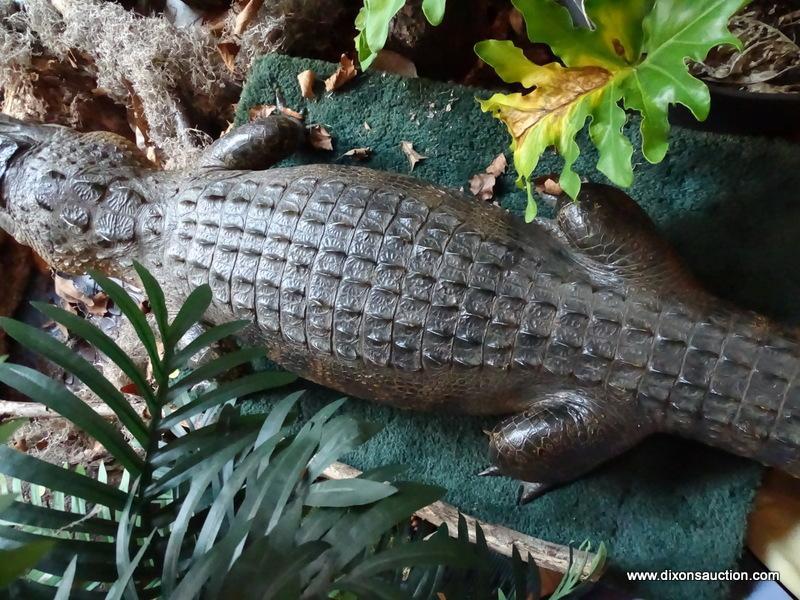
[388,61]
[261,111]
[413,156]
[547,184]
[215,22]
[248,13]
[67,290]
[141,129]
[292,113]
[319,138]
[498,166]
[342,75]
[228,52]
[306,80]
[359,153]
[482,186]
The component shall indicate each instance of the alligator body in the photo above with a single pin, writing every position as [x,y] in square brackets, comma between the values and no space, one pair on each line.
[584,333]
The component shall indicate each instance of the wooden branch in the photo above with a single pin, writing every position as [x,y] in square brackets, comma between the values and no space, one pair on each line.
[547,555]
[34,410]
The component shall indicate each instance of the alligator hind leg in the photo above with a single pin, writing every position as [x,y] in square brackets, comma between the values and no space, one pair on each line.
[615,239]
[257,145]
[562,436]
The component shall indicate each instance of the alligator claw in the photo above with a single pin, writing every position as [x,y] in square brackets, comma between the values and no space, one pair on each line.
[490,472]
[280,102]
[530,491]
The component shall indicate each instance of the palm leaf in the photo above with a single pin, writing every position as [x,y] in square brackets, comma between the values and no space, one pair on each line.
[103,343]
[137,318]
[205,340]
[190,313]
[56,397]
[44,344]
[155,297]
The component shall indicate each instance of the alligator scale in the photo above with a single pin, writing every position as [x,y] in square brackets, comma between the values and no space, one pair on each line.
[584,333]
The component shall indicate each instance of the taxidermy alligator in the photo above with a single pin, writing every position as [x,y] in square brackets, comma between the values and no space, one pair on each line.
[584,332]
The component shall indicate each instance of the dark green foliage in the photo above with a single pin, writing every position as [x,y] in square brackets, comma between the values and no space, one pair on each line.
[212,503]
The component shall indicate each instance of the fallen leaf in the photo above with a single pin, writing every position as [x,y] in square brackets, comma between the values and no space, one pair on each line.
[248,13]
[306,80]
[498,166]
[413,156]
[228,52]
[319,138]
[547,184]
[217,21]
[388,61]
[69,292]
[261,111]
[482,186]
[60,328]
[292,113]
[359,153]
[342,75]
[131,388]
[140,127]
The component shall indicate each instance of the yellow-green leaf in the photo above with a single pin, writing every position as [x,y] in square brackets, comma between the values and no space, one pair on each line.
[634,54]
[433,10]
[372,24]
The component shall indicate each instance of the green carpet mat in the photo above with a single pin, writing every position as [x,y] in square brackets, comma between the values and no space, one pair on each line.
[729,205]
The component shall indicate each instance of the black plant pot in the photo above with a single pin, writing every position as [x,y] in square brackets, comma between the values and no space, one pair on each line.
[742,112]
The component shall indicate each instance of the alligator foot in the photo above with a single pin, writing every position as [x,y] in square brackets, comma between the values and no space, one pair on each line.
[530,491]
[563,435]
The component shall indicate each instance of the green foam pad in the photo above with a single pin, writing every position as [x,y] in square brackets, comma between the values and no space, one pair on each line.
[729,204]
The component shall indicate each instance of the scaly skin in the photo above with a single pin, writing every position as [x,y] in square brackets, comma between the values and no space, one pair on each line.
[586,330]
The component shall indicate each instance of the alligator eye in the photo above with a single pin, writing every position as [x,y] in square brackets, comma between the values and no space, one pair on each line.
[49,190]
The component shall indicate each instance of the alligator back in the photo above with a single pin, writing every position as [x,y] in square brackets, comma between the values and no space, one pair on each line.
[379,285]
[391,289]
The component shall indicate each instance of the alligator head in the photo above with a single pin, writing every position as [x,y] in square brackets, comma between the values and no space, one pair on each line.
[80,200]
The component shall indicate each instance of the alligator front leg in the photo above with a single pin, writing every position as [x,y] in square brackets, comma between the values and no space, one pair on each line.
[257,145]
[563,435]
